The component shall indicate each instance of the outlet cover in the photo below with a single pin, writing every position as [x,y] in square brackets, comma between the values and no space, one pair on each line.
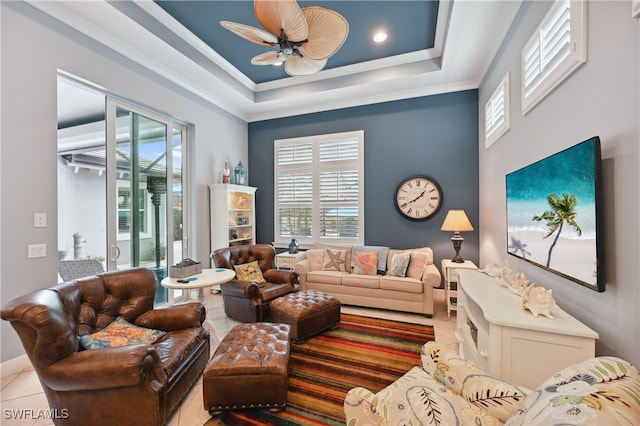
[40,220]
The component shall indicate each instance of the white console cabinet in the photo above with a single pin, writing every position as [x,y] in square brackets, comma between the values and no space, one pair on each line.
[508,342]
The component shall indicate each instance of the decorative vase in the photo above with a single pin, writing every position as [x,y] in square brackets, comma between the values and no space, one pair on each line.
[241,174]
[293,246]
[226,172]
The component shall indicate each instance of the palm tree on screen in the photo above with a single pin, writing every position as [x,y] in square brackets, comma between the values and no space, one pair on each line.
[562,211]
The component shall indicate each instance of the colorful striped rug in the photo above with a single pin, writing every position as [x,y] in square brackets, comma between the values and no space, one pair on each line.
[361,351]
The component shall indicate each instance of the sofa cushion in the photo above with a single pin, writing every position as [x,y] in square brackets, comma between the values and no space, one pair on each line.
[405,285]
[120,333]
[497,397]
[399,264]
[416,398]
[326,277]
[382,256]
[417,263]
[365,263]
[598,391]
[334,260]
[366,281]
[249,272]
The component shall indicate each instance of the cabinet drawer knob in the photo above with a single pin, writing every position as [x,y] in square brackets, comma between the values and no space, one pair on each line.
[484,354]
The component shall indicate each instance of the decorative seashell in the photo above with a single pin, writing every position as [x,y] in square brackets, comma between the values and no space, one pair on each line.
[538,300]
[497,270]
[492,269]
[519,283]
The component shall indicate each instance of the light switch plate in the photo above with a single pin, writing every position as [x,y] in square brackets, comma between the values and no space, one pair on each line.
[36,250]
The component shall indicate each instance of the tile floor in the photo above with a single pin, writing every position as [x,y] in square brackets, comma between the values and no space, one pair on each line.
[21,390]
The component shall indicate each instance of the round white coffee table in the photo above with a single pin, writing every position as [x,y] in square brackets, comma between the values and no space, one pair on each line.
[207,278]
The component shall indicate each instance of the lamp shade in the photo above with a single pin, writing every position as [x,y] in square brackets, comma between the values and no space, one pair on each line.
[456,221]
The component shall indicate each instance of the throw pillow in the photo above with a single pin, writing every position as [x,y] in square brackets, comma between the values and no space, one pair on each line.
[417,263]
[382,256]
[315,258]
[249,272]
[366,263]
[120,333]
[399,264]
[334,260]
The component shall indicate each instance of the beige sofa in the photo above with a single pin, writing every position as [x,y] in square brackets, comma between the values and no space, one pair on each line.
[334,270]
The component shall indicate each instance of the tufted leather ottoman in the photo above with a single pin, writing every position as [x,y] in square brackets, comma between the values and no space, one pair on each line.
[249,369]
[308,312]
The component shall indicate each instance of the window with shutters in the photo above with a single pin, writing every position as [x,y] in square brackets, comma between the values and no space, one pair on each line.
[497,113]
[556,49]
[319,189]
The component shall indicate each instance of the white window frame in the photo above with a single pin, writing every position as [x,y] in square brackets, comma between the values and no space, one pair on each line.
[544,65]
[126,235]
[497,112]
[315,167]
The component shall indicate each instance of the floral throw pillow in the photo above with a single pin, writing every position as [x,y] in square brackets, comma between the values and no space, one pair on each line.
[334,260]
[399,264]
[120,333]
[365,263]
[249,272]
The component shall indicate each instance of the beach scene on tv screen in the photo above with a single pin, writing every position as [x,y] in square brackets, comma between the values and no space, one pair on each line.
[551,213]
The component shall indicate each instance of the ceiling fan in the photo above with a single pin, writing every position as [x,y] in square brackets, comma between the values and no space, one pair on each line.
[305,38]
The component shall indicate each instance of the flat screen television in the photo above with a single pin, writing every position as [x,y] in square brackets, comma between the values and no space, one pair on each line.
[553,214]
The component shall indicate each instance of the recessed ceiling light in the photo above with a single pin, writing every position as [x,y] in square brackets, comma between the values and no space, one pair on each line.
[380,36]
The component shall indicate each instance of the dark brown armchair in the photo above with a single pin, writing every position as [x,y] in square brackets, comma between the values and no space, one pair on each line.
[248,301]
[136,384]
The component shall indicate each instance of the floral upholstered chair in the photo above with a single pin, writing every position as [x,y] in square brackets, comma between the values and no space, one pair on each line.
[448,390]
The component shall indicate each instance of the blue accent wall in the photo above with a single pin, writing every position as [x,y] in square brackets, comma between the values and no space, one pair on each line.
[433,135]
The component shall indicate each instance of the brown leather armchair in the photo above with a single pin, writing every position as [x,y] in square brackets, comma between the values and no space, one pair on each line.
[248,301]
[138,384]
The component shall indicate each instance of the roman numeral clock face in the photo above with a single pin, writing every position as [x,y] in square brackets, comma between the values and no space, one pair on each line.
[418,197]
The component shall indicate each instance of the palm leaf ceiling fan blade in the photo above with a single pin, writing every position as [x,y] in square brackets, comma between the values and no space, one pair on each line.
[250,33]
[278,16]
[298,65]
[328,31]
[267,58]
[306,37]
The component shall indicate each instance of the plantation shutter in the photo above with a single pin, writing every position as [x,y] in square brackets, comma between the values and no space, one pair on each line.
[338,188]
[497,112]
[555,50]
[318,189]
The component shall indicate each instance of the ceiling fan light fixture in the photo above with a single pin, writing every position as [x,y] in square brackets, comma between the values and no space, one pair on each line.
[306,37]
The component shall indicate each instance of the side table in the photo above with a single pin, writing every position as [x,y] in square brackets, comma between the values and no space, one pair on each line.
[286,260]
[450,275]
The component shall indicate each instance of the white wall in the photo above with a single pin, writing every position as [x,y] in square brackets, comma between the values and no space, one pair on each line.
[33,48]
[601,98]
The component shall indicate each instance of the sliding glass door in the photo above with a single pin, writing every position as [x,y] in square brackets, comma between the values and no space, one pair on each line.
[121,187]
[145,186]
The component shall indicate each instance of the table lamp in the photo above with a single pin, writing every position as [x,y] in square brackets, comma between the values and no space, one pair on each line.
[456,221]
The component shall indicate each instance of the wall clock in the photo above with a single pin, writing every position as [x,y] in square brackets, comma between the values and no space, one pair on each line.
[418,197]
